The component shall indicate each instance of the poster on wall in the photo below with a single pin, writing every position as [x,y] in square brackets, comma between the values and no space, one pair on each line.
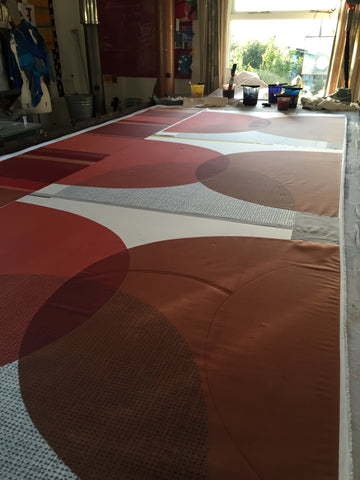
[183,44]
[183,37]
[186,9]
[128,38]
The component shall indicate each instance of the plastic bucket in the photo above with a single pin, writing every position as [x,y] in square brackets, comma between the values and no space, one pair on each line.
[274,89]
[293,101]
[294,92]
[80,106]
[283,101]
[251,93]
[197,90]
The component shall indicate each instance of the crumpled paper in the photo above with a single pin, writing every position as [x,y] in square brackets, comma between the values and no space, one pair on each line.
[245,78]
[328,103]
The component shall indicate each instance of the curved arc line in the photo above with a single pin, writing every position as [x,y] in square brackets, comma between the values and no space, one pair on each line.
[212,396]
[183,275]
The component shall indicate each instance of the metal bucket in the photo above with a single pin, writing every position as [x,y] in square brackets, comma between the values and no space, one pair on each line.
[80,106]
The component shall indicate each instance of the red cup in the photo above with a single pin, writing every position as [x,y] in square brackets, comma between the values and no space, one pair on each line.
[283,102]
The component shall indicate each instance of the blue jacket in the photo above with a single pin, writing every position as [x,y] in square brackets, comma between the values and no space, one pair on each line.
[33,58]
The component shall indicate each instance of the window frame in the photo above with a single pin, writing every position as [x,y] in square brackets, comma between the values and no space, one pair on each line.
[283,15]
[301,14]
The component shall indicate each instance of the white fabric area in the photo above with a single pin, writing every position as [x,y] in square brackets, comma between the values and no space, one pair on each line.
[138,227]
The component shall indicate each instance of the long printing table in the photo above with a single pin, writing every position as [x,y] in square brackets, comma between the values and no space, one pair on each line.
[175,299]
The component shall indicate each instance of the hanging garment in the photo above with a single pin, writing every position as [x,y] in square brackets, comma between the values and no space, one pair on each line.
[4,17]
[4,83]
[22,83]
[33,59]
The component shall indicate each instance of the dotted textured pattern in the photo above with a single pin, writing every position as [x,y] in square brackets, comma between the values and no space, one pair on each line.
[194,199]
[24,454]
[120,397]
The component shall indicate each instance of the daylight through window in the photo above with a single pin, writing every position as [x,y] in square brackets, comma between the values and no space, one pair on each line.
[280,40]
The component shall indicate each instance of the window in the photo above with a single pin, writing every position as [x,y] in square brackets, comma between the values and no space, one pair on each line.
[280,40]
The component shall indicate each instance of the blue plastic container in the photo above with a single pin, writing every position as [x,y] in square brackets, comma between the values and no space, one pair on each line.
[293,91]
[274,89]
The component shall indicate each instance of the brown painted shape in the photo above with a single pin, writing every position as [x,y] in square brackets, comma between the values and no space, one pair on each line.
[75,302]
[160,115]
[64,154]
[261,319]
[99,145]
[226,262]
[302,181]
[190,304]
[135,130]
[219,122]
[44,245]
[10,195]
[154,175]
[146,163]
[270,347]
[289,341]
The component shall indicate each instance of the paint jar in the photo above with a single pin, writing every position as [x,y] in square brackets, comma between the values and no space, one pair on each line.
[283,101]
[197,89]
[228,93]
[251,93]
[293,91]
[274,89]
